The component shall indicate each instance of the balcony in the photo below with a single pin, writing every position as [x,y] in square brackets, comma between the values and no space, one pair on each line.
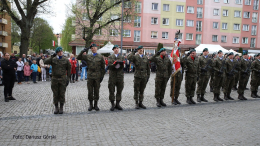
[3,21]
[255,7]
[199,15]
[254,20]
[4,45]
[3,33]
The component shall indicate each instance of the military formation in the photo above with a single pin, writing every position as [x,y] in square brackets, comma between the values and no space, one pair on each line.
[222,73]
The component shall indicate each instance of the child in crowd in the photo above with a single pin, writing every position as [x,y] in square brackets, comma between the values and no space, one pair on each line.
[27,72]
[34,68]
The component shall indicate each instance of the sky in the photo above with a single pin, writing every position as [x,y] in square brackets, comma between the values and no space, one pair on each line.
[58,16]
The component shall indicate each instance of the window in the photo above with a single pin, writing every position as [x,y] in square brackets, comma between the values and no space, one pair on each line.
[246,14]
[165,35]
[254,27]
[224,25]
[127,19]
[214,38]
[237,14]
[179,8]
[238,1]
[190,9]
[127,4]
[165,21]
[256,4]
[99,32]
[226,1]
[252,44]
[154,6]
[236,26]
[235,40]
[113,16]
[137,22]
[154,20]
[179,22]
[199,26]
[166,7]
[180,36]
[137,36]
[225,13]
[190,23]
[254,17]
[245,27]
[244,40]
[216,12]
[85,16]
[247,2]
[215,25]
[127,33]
[113,32]
[216,1]
[189,36]
[138,7]
[154,34]
[198,39]
[199,12]
[223,39]
[199,2]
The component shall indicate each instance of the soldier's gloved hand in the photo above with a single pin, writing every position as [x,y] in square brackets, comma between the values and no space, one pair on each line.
[101,79]
[158,53]
[114,62]
[53,55]
[67,83]
[135,50]
[85,50]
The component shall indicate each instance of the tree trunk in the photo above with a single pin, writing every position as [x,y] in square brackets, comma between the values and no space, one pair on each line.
[25,34]
[88,40]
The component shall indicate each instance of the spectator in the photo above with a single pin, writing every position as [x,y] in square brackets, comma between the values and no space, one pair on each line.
[8,67]
[127,64]
[106,61]
[34,68]
[43,68]
[50,72]
[77,70]
[30,61]
[39,57]
[34,56]
[14,58]
[27,72]
[73,68]
[24,59]
[20,66]
[84,68]
[1,58]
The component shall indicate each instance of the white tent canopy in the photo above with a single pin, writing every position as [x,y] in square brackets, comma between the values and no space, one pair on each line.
[108,49]
[211,48]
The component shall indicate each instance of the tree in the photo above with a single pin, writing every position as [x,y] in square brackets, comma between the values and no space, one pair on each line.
[101,14]
[159,46]
[67,32]
[15,33]
[27,10]
[240,50]
[41,35]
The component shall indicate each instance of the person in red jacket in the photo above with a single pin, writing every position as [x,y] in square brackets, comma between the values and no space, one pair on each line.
[73,63]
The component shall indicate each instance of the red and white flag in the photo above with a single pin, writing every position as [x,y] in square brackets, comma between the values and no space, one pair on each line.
[175,56]
[53,43]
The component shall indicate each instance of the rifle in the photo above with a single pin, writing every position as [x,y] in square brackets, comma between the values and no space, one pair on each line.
[222,67]
[205,69]
[247,69]
[231,73]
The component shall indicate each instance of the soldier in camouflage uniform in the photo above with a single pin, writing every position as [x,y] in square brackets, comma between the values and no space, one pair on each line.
[116,78]
[218,66]
[193,70]
[244,75]
[204,63]
[230,65]
[96,72]
[163,73]
[237,73]
[212,73]
[142,75]
[255,77]
[61,69]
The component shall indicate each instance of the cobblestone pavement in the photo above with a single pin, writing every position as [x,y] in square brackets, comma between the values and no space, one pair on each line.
[31,115]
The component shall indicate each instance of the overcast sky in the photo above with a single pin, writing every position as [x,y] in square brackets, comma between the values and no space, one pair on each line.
[60,11]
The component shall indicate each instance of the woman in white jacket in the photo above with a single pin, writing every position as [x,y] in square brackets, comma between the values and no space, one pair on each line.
[20,66]
[43,68]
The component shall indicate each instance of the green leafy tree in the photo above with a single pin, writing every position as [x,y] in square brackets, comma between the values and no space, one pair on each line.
[240,50]
[159,46]
[67,32]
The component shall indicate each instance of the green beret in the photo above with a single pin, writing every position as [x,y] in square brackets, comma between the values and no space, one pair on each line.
[206,49]
[92,45]
[192,50]
[231,53]
[245,53]
[162,49]
[236,55]
[139,47]
[58,49]
[220,51]
[115,46]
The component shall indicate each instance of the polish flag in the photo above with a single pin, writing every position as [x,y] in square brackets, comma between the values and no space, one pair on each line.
[175,57]
[53,43]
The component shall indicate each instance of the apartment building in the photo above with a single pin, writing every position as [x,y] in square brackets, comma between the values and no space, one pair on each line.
[5,32]
[229,23]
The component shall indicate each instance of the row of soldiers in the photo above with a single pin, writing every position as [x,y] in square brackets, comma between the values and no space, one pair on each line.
[195,67]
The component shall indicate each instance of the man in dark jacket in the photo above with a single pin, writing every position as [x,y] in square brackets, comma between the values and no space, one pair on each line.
[8,67]
[14,58]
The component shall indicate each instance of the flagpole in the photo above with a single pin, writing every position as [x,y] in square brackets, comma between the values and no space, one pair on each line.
[122,25]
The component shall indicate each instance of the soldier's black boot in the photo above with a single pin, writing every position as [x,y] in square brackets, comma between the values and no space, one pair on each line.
[188,100]
[240,97]
[118,105]
[96,105]
[11,98]
[229,97]
[162,103]
[244,98]
[215,97]
[6,99]
[192,101]
[112,105]
[225,96]
[141,105]
[198,98]
[56,111]
[211,89]
[253,94]
[176,100]
[90,105]
[203,99]
[219,99]
[158,102]
[61,108]
[136,105]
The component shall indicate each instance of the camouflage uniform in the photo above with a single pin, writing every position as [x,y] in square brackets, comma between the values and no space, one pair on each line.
[244,77]
[255,78]
[211,76]
[191,78]
[237,73]
[230,79]
[142,74]
[163,73]
[218,77]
